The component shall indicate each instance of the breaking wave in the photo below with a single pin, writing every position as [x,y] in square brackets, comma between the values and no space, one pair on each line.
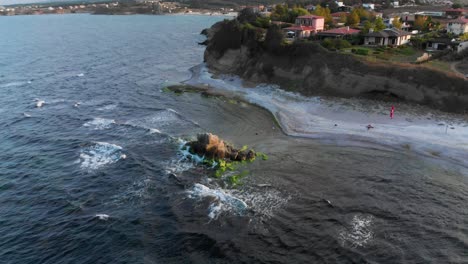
[99,154]
[99,123]
[221,200]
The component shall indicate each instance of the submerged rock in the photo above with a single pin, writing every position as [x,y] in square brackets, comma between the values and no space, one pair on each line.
[212,147]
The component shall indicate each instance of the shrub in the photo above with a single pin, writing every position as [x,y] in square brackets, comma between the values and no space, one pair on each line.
[362,52]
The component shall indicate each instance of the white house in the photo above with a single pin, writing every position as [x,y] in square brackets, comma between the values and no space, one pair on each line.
[387,37]
[458,26]
[368,6]
[462,46]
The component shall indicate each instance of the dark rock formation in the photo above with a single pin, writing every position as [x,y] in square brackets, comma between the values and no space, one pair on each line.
[311,70]
[212,147]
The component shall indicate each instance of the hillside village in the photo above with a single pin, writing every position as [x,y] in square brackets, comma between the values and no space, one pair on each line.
[436,38]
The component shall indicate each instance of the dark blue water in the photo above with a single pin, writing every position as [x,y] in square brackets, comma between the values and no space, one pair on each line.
[95,175]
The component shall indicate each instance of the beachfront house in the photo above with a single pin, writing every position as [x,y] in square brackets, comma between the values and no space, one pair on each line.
[387,37]
[307,25]
[458,26]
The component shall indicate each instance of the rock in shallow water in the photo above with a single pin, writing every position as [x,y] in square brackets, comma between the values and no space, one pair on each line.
[211,146]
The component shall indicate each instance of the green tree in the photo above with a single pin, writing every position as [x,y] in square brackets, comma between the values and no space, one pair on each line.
[280,13]
[353,19]
[464,37]
[273,38]
[396,23]
[324,12]
[367,27]
[456,6]
[379,25]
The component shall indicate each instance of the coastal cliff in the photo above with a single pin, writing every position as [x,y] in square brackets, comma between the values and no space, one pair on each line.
[311,70]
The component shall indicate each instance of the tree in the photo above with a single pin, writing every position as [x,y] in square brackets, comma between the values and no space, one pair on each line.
[367,27]
[353,19]
[324,12]
[396,23]
[379,25]
[464,37]
[456,6]
[280,13]
[273,38]
[247,15]
[419,23]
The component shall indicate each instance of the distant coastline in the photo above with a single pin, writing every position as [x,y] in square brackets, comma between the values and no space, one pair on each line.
[114,8]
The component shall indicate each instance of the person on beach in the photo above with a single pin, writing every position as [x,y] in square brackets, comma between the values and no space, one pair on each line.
[392,111]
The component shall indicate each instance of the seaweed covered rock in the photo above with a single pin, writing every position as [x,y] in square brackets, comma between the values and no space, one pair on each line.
[212,147]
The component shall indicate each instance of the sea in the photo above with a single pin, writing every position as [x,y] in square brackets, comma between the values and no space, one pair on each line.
[92,168]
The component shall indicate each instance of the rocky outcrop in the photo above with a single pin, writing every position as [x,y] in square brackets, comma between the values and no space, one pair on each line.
[212,147]
[311,70]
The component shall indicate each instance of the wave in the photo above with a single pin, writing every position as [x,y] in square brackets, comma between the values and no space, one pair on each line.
[104,217]
[107,107]
[359,233]
[99,154]
[222,201]
[99,123]
[166,121]
[12,84]
[431,133]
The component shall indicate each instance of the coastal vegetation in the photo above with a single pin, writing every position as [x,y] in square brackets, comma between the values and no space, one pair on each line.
[337,67]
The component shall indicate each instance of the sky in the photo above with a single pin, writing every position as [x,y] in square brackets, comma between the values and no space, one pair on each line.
[11,2]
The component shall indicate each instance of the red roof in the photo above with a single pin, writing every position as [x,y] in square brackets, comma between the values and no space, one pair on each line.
[456,10]
[460,20]
[310,16]
[339,14]
[341,31]
[301,28]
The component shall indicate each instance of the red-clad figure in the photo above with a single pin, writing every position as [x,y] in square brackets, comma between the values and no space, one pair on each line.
[392,111]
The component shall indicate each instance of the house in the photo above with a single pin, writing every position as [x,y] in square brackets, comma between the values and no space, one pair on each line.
[342,32]
[454,13]
[307,25]
[458,26]
[462,46]
[438,44]
[387,37]
[368,6]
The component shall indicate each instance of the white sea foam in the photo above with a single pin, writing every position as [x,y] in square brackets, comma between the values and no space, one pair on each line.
[166,121]
[80,75]
[104,217]
[11,84]
[107,107]
[359,232]
[99,123]
[99,154]
[40,103]
[315,117]
[221,200]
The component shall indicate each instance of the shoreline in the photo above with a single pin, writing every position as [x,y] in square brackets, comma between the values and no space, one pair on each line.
[430,133]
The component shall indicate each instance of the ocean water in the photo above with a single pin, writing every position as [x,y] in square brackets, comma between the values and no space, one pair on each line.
[92,171]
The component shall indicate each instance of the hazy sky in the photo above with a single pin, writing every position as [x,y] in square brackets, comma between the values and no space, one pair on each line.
[10,2]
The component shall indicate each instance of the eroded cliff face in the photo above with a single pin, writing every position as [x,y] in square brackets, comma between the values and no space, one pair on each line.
[309,69]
